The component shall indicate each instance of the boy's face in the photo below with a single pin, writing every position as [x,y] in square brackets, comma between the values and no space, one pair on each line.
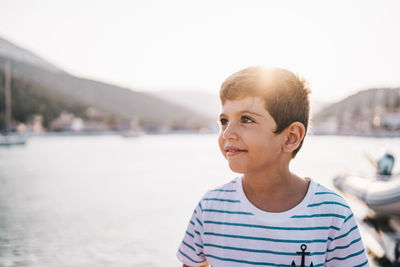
[247,139]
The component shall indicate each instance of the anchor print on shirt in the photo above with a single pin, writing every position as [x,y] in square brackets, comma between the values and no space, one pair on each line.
[303,254]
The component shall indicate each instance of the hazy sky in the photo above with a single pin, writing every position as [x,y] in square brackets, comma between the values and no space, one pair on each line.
[340,46]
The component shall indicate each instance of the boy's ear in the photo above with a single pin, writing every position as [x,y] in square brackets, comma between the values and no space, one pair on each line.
[294,134]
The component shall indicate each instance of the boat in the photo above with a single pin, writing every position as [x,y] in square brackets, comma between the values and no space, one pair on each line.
[131,133]
[376,204]
[381,235]
[11,139]
[382,196]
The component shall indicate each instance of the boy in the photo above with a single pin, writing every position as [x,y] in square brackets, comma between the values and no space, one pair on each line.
[268,216]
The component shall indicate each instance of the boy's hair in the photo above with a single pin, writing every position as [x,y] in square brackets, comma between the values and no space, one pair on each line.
[285,94]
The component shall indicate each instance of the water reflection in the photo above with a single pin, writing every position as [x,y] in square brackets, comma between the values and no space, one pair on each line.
[109,201]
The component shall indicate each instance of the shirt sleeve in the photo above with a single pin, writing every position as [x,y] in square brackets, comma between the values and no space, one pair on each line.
[345,248]
[190,251]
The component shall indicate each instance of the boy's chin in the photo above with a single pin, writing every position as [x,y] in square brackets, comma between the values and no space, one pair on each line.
[237,169]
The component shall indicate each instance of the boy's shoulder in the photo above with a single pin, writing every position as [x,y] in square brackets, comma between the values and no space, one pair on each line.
[328,200]
[217,197]
[225,191]
[327,193]
[229,187]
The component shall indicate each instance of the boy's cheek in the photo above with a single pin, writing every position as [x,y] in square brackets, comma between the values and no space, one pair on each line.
[221,144]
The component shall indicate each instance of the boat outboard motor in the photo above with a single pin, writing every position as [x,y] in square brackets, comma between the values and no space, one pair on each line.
[385,164]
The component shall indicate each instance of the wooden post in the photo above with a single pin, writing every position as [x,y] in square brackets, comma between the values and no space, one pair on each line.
[7,89]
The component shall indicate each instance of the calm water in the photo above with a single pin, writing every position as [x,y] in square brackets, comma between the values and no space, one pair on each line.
[112,201]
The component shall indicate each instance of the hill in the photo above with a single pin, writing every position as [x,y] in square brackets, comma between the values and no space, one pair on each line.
[17,53]
[370,111]
[50,83]
[29,99]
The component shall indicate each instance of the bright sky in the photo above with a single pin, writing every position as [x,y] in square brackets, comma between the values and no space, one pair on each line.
[341,47]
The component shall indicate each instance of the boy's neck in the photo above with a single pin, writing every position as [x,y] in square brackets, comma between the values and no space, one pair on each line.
[270,182]
[274,190]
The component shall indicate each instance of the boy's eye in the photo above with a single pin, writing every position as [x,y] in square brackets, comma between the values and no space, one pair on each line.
[223,121]
[246,119]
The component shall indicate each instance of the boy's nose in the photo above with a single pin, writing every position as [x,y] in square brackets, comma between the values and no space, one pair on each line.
[230,132]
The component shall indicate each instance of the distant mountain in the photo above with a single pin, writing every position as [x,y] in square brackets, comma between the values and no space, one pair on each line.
[121,102]
[12,51]
[200,102]
[29,99]
[366,101]
[374,111]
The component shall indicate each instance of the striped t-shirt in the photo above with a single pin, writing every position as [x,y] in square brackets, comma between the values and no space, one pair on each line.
[227,230]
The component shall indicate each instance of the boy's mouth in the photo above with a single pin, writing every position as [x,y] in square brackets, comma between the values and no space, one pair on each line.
[233,151]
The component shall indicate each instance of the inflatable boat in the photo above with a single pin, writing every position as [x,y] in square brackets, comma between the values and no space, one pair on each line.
[380,229]
[382,196]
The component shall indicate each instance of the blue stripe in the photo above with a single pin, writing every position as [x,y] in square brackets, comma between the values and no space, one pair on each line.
[328,203]
[348,218]
[192,248]
[330,193]
[362,264]
[261,250]
[189,234]
[222,200]
[352,229]
[223,190]
[190,257]
[268,239]
[201,208]
[341,247]
[273,227]
[191,222]
[227,211]
[189,246]
[199,222]
[347,257]
[198,245]
[196,232]
[319,215]
[252,262]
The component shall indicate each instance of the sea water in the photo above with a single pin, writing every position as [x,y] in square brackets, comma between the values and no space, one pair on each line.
[113,201]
